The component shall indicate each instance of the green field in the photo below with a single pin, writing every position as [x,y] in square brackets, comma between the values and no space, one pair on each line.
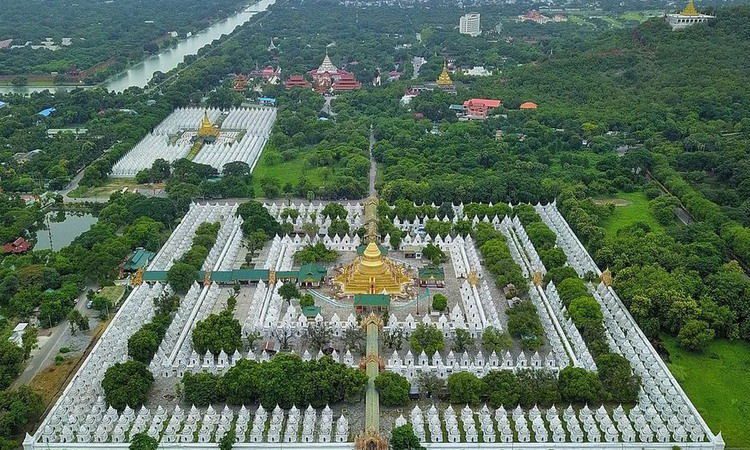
[718,383]
[111,186]
[630,207]
[286,172]
[113,293]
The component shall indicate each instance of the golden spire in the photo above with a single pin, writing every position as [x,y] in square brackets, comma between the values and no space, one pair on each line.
[207,128]
[690,9]
[444,79]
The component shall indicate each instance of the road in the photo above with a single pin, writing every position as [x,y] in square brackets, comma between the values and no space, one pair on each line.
[45,355]
[373,164]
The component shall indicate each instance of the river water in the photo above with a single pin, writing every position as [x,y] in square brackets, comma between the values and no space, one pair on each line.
[140,74]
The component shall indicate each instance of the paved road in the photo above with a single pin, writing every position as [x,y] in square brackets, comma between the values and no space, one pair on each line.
[373,164]
[45,355]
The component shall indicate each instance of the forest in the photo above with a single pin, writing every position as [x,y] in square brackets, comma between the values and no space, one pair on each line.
[106,36]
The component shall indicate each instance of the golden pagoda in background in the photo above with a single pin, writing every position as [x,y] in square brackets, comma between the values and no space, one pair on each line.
[444,80]
[687,17]
[207,129]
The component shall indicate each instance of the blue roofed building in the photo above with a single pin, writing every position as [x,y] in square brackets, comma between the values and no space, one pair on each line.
[47,112]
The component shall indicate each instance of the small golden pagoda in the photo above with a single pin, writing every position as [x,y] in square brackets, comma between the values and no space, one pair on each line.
[207,129]
[444,79]
[690,9]
[373,273]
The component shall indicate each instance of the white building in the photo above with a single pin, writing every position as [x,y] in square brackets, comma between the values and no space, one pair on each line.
[469,24]
[689,16]
[477,71]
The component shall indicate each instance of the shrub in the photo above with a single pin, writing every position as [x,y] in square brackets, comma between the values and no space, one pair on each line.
[393,389]
[524,324]
[439,302]
[502,388]
[427,338]
[127,384]
[578,385]
[465,387]
[695,335]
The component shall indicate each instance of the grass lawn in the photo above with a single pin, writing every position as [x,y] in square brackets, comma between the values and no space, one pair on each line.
[113,293]
[286,172]
[630,207]
[113,185]
[718,383]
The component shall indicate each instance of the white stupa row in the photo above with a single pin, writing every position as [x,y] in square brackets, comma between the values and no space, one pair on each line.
[254,124]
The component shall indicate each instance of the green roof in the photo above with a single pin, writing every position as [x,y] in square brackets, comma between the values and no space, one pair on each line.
[311,272]
[250,274]
[311,311]
[372,300]
[138,259]
[155,275]
[431,272]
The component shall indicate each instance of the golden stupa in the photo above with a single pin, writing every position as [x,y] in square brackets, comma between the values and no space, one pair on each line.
[690,9]
[207,128]
[373,273]
[444,79]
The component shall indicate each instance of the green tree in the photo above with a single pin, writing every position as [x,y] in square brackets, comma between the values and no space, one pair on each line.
[465,388]
[202,389]
[217,332]
[695,335]
[127,384]
[502,388]
[393,389]
[181,277]
[288,291]
[426,338]
[617,379]
[11,360]
[227,441]
[143,344]
[578,385]
[439,302]
[494,340]
[142,441]
[462,341]
[29,340]
[403,438]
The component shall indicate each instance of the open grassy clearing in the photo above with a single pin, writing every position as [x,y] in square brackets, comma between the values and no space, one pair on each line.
[286,172]
[113,293]
[630,208]
[717,382]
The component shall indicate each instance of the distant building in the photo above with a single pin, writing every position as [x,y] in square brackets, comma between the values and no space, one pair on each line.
[477,71]
[528,105]
[20,245]
[47,112]
[533,16]
[6,43]
[688,17]
[469,24]
[480,108]
[17,336]
[267,101]
[328,76]
[3,104]
[297,81]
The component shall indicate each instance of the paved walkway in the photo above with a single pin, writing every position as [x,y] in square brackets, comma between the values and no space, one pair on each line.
[372,399]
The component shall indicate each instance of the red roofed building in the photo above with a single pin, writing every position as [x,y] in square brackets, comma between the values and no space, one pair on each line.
[479,108]
[529,105]
[297,81]
[328,76]
[20,245]
[346,82]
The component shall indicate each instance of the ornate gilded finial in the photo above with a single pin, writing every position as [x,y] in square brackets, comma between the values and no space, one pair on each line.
[473,278]
[690,9]
[538,278]
[606,277]
[444,79]
[137,278]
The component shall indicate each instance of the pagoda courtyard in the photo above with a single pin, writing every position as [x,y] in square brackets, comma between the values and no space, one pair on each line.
[362,301]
